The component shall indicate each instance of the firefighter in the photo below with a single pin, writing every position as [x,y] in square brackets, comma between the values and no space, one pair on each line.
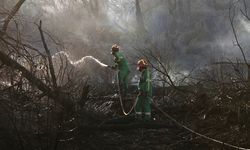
[143,104]
[123,69]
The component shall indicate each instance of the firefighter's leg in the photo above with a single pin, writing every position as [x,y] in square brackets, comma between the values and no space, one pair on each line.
[147,108]
[138,108]
[120,78]
[125,81]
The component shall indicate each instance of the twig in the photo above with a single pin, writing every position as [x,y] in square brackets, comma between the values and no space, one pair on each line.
[231,18]
[51,68]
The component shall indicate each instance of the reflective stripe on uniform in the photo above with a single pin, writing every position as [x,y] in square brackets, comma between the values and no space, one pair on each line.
[139,113]
[147,113]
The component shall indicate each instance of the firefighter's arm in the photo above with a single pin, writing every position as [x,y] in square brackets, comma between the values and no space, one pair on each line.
[118,58]
[114,67]
[143,86]
[148,82]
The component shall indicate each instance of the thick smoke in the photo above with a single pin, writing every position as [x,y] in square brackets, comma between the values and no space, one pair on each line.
[186,33]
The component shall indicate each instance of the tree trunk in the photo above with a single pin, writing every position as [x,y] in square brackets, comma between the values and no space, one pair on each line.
[139,18]
[66,103]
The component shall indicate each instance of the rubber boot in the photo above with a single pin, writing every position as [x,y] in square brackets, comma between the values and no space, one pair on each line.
[147,117]
[138,117]
[147,109]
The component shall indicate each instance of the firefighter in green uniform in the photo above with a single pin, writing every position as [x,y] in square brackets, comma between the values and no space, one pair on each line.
[145,91]
[122,65]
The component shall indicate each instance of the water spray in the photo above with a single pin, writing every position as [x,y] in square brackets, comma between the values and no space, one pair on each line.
[80,61]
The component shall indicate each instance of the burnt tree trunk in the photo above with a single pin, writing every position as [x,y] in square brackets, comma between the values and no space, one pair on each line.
[54,94]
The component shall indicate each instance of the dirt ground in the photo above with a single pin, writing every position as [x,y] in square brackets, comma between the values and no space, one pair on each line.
[217,123]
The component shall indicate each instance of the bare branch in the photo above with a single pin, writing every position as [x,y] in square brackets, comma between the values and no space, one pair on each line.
[11,15]
[52,71]
[245,15]
[13,64]
[231,18]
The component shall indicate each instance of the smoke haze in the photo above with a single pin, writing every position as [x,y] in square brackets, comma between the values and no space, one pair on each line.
[188,33]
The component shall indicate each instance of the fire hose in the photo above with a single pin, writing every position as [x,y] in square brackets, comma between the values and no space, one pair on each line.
[121,100]
[194,132]
[175,121]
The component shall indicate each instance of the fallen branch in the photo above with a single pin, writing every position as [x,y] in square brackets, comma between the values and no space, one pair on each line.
[35,81]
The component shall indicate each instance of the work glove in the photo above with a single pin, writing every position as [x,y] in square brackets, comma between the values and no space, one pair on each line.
[112,67]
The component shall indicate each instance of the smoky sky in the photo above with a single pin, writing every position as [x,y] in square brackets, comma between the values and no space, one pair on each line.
[190,33]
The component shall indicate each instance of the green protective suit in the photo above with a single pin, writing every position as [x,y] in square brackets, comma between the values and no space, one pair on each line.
[122,66]
[144,99]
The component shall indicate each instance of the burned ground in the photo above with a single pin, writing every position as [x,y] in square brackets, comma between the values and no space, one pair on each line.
[57,90]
